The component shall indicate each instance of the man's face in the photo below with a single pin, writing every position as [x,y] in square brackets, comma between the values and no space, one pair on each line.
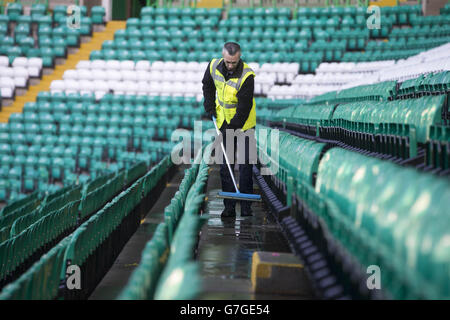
[230,61]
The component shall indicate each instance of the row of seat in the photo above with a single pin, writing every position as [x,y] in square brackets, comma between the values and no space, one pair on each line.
[142,65]
[424,84]
[53,35]
[100,88]
[145,70]
[15,11]
[282,155]
[168,253]
[141,75]
[381,91]
[399,12]
[401,44]
[88,115]
[69,146]
[430,61]
[438,148]
[143,129]
[85,140]
[25,175]
[298,91]
[87,243]
[373,209]
[379,55]
[392,211]
[32,65]
[421,113]
[416,31]
[55,259]
[16,250]
[428,82]
[245,34]
[159,40]
[306,114]
[256,24]
[89,99]
[350,67]
[149,11]
[197,56]
[328,77]
[276,45]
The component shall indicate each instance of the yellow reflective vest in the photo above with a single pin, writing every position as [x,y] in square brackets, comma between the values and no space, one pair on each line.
[226,91]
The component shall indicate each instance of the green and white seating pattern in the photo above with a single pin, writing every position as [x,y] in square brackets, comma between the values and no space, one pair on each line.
[53,36]
[68,138]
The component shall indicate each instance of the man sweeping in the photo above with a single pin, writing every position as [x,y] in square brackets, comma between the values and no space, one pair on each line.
[228,86]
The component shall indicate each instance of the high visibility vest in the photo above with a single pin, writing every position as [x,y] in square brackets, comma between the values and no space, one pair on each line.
[226,100]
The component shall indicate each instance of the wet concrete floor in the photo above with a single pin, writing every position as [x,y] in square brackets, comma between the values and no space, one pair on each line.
[226,247]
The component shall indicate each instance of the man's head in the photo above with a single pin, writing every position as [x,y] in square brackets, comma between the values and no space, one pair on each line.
[231,53]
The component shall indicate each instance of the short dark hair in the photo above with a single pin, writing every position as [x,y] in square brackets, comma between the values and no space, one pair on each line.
[232,48]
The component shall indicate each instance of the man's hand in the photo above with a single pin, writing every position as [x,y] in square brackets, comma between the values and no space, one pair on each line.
[212,113]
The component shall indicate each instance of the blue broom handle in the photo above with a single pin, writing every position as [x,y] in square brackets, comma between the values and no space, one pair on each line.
[225,154]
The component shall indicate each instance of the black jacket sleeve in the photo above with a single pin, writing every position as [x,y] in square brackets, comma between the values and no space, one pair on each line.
[245,103]
[209,92]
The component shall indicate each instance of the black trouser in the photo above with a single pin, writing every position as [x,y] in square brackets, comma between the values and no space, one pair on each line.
[246,159]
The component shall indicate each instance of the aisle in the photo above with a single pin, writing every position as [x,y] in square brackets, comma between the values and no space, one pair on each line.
[226,246]
[117,277]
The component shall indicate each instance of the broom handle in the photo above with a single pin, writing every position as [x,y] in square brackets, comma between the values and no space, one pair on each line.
[225,154]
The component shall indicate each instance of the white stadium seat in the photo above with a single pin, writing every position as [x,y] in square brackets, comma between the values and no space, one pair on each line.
[86,86]
[127,65]
[20,62]
[71,86]
[7,87]
[57,86]
[129,75]
[84,74]
[4,61]
[70,74]
[113,75]
[84,64]
[21,77]
[98,64]
[142,65]
[112,65]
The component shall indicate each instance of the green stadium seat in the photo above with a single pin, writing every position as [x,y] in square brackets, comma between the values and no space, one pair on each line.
[38,10]
[59,11]
[99,54]
[98,14]
[14,10]
[4,23]
[44,21]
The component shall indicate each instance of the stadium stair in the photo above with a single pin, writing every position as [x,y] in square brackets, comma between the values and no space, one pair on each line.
[95,43]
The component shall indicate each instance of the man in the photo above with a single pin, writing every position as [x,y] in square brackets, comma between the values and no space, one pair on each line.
[234,108]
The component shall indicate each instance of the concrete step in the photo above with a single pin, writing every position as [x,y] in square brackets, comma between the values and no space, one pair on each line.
[280,273]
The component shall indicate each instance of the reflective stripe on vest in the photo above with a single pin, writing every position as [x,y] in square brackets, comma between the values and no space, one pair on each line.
[227,105]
